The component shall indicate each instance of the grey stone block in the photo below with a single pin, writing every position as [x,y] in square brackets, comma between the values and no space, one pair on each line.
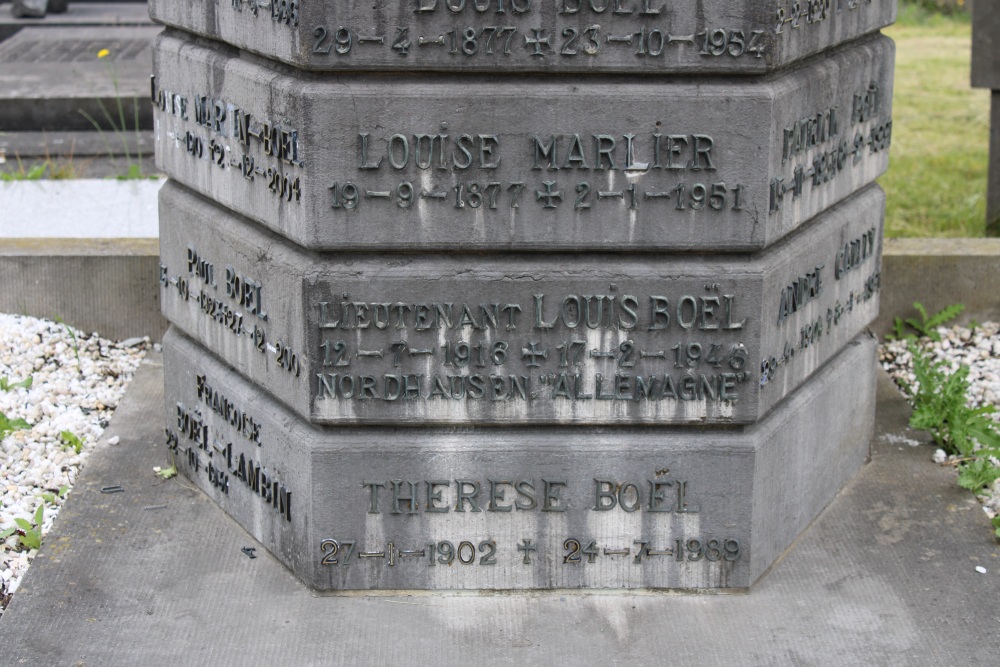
[985,46]
[362,162]
[52,80]
[647,36]
[511,508]
[507,339]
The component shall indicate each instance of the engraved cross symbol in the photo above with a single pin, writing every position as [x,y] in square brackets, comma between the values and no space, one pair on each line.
[548,194]
[537,40]
[532,352]
[402,44]
[527,547]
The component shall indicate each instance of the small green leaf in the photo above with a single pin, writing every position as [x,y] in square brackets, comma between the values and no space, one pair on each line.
[49,497]
[39,515]
[32,539]
[70,440]
[167,473]
[7,533]
[22,523]
[63,490]
[7,385]
[11,425]
[946,314]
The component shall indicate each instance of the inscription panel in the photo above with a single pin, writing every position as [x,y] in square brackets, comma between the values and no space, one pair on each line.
[647,36]
[506,508]
[520,339]
[366,163]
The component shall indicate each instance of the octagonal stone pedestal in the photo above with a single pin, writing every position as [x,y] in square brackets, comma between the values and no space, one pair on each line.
[382,508]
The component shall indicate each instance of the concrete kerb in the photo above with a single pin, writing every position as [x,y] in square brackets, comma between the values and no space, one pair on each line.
[104,285]
[939,273]
[93,263]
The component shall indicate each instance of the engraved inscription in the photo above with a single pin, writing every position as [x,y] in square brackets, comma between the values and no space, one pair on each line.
[662,168]
[513,495]
[463,339]
[581,35]
[834,153]
[505,351]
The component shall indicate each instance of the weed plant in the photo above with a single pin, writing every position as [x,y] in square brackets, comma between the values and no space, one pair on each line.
[8,426]
[27,534]
[940,407]
[45,169]
[119,128]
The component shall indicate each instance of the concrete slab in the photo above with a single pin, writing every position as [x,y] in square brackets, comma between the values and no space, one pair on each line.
[885,576]
[52,79]
[104,285]
[79,209]
[79,14]
[84,251]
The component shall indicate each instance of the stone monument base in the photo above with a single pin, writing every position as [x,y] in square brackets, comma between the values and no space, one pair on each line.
[519,508]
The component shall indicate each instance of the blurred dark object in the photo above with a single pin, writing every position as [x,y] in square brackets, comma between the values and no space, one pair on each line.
[29,9]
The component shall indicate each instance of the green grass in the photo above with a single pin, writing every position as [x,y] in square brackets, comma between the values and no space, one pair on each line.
[936,183]
[37,170]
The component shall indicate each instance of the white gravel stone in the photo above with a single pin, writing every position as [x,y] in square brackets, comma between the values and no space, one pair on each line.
[76,385]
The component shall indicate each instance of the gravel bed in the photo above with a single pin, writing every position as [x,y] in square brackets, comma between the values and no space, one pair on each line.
[76,383]
[979,349]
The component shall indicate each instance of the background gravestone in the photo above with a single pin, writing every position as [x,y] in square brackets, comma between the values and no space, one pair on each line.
[452,326]
[986,74]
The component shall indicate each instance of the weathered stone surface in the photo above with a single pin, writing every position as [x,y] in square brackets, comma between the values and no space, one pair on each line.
[698,508]
[32,9]
[363,162]
[568,339]
[51,79]
[647,36]
[985,46]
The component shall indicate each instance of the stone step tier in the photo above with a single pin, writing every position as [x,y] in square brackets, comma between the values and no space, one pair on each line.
[516,339]
[744,37]
[52,80]
[513,508]
[434,163]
